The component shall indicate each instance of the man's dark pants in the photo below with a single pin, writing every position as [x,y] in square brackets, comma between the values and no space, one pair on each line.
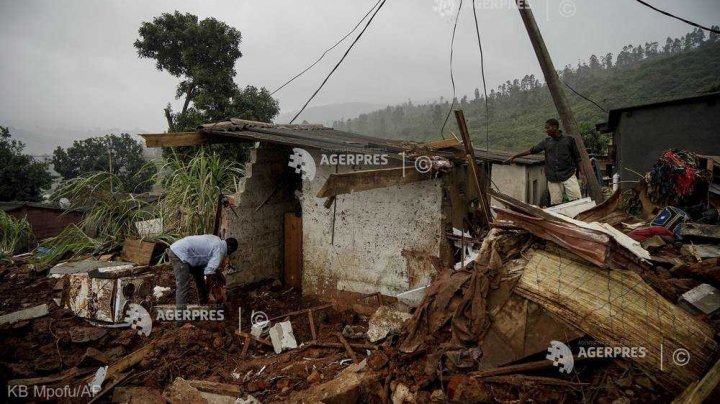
[183,272]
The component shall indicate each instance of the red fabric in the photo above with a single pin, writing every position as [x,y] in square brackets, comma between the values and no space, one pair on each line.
[647,232]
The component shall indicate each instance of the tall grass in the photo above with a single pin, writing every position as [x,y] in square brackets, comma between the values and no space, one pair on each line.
[110,211]
[70,242]
[15,234]
[192,188]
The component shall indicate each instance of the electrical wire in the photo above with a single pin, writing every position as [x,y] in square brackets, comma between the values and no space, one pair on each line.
[452,78]
[340,61]
[482,72]
[694,24]
[583,97]
[327,50]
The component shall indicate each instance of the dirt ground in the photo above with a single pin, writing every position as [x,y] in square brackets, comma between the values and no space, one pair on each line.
[211,351]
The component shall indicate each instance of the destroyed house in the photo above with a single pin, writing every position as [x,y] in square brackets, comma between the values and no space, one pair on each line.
[640,133]
[340,213]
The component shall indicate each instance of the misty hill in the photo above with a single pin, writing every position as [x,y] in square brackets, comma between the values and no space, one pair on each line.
[518,109]
[327,114]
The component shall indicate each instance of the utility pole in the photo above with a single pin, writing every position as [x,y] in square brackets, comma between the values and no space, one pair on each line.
[558,96]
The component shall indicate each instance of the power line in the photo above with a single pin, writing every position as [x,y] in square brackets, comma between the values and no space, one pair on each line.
[327,50]
[582,96]
[694,24]
[452,78]
[482,72]
[339,62]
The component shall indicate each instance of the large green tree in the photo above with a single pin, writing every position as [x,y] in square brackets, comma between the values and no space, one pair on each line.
[121,155]
[202,53]
[21,177]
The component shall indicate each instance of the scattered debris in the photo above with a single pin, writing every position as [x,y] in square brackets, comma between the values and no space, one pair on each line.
[281,335]
[704,298]
[385,321]
[26,314]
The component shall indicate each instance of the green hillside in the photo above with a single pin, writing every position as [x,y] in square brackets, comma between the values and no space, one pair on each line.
[518,109]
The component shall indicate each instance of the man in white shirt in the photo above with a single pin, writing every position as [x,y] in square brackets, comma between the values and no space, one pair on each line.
[198,256]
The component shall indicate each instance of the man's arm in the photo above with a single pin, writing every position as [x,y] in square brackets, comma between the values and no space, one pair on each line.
[533,150]
[216,259]
[521,154]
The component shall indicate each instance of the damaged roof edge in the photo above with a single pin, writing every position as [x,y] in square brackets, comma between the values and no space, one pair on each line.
[319,137]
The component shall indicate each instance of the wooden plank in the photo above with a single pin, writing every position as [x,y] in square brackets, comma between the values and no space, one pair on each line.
[698,392]
[184,139]
[442,144]
[138,251]
[476,173]
[128,361]
[346,183]
[50,379]
[26,314]
[216,388]
[293,250]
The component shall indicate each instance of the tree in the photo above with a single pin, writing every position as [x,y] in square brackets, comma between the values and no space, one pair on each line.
[21,177]
[120,155]
[203,55]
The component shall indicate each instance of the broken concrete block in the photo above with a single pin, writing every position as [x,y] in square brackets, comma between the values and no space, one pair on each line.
[93,358]
[247,400]
[386,321]
[213,398]
[704,298]
[137,395]
[346,387]
[259,329]
[353,331]
[281,335]
[160,291]
[402,394]
[181,392]
[26,314]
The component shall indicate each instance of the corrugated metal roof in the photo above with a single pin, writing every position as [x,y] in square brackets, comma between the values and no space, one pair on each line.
[321,137]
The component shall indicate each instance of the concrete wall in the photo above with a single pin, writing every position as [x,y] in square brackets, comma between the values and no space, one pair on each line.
[642,135]
[383,238]
[259,233]
[523,182]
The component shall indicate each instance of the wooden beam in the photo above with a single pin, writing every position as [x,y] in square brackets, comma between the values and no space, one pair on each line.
[558,95]
[345,183]
[443,144]
[477,174]
[184,139]
[699,391]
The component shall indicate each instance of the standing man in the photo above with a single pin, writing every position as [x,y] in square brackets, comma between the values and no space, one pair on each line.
[562,160]
[198,256]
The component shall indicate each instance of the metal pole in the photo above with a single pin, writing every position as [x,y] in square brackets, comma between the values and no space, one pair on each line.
[558,96]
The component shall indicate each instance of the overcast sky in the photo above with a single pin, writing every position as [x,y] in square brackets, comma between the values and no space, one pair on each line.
[71,63]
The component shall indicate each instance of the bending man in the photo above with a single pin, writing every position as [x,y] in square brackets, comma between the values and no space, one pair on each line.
[198,256]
